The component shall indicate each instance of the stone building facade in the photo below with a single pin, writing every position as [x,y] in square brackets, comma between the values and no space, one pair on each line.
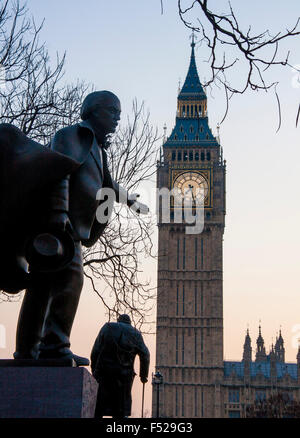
[248,381]
[189,344]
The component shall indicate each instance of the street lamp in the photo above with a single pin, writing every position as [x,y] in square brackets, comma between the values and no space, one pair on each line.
[157,379]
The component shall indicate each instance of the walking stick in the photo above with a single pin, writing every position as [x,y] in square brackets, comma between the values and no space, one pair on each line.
[143,400]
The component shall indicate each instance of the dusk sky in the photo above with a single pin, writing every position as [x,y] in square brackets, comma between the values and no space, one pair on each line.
[130,48]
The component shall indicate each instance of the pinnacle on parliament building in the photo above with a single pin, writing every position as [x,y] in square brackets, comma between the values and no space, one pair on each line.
[195,380]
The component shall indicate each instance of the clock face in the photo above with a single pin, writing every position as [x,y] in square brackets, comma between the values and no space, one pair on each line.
[191,186]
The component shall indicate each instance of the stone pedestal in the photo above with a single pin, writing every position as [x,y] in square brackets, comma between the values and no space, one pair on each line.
[46,392]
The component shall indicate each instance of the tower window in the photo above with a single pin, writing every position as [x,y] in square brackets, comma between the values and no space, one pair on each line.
[196,156]
[192,110]
[208,156]
[191,129]
[197,137]
[207,136]
[201,334]
[234,396]
[201,299]
[173,155]
[260,395]
[188,110]
[179,156]
[185,156]
[191,156]
[181,128]
[176,358]
[185,137]
[175,137]
[202,156]
[201,129]
[195,346]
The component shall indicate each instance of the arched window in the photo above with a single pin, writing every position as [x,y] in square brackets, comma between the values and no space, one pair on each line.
[191,156]
[185,156]
[191,129]
[196,156]
[202,156]
[179,156]
[173,155]
[175,137]
[201,128]
[185,137]
[181,128]
[208,156]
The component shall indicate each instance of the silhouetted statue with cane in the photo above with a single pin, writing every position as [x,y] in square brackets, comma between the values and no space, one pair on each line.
[112,363]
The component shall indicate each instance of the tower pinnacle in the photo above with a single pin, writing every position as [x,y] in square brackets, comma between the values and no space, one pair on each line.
[192,126]
[247,353]
[193,37]
[279,348]
[260,347]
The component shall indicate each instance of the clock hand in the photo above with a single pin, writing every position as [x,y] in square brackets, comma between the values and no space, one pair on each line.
[190,189]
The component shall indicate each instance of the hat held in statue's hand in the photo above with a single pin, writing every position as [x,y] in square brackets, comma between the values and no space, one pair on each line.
[49,251]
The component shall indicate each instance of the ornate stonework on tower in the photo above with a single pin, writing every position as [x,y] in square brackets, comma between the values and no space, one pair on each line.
[189,348]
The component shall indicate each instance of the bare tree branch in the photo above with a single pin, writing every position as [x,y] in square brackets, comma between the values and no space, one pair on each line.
[222,31]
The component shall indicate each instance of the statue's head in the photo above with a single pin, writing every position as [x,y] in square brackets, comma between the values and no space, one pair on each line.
[102,109]
[124,318]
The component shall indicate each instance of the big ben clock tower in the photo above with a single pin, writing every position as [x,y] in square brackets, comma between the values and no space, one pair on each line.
[189,345]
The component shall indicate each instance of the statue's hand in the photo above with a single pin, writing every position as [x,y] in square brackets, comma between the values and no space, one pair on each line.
[59,220]
[140,208]
[137,206]
[133,198]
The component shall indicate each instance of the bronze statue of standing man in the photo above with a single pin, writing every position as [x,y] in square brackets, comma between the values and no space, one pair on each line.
[51,299]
